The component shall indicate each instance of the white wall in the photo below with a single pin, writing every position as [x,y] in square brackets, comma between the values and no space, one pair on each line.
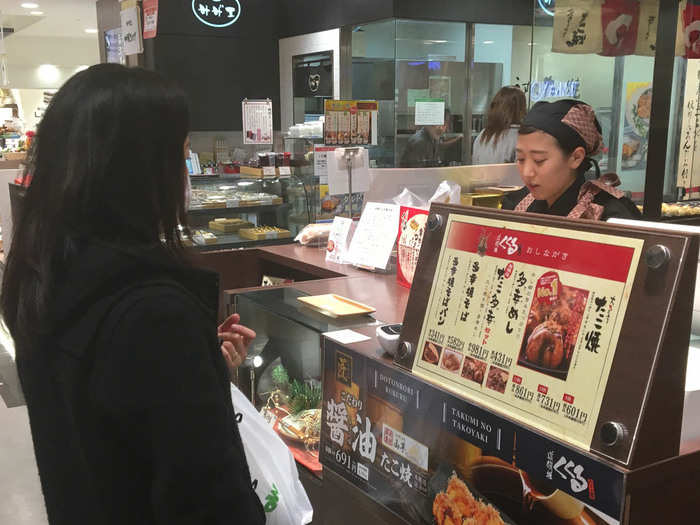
[302,45]
[25,55]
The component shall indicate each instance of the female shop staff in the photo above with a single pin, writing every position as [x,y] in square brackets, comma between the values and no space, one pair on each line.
[128,394]
[555,144]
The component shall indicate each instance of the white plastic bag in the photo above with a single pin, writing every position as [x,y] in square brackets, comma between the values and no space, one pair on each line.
[447,192]
[272,467]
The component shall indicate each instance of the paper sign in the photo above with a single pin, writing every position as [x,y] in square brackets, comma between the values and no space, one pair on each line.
[257,122]
[525,320]
[346,337]
[339,239]
[338,179]
[285,171]
[375,236]
[269,171]
[150,18]
[430,112]
[131,31]
[321,154]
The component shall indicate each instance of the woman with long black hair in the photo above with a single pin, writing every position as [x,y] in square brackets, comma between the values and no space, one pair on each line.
[115,335]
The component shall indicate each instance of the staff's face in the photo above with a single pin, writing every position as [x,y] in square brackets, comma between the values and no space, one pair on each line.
[544,168]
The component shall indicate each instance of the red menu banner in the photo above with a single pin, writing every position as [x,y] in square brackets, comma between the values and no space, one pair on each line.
[525,320]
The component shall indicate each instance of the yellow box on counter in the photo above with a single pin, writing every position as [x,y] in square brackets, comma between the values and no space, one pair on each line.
[486,200]
[228,225]
[261,233]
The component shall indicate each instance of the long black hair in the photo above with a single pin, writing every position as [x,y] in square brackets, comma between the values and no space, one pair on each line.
[107,163]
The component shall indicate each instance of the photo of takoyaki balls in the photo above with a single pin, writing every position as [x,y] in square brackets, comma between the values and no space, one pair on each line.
[431,353]
[451,361]
[474,370]
[497,379]
[551,332]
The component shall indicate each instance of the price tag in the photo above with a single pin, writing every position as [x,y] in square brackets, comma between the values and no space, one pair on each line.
[271,235]
[231,203]
[269,171]
[285,171]
[267,202]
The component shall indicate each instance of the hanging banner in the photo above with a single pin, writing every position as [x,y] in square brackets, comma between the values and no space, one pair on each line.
[648,26]
[257,122]
[689,156]
[620,19]
[150,18]
[577,27]
[524,320]
[691,29]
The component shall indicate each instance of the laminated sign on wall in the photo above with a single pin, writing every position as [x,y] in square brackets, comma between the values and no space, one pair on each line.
[131,31]
[689,156]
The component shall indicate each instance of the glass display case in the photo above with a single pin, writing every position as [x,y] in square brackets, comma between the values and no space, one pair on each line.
[282,373]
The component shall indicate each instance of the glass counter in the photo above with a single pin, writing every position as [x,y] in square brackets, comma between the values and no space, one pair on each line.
[283,370]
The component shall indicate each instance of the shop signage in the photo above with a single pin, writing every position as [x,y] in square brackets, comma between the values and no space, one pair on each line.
[216,13]
[525,320]
[546,6]
[550,88]
[414,447]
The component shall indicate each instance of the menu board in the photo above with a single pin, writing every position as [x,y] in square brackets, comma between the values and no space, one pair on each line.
[525,320]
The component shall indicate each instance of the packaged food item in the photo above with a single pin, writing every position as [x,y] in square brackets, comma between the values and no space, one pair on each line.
[231,225]
[314,234]
[203,237]
[259,233]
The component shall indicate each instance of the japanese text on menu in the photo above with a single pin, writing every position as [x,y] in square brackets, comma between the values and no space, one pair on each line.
[527,322]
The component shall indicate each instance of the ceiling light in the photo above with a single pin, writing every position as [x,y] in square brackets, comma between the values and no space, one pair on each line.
[81,68]
[30,5]
[37,13]
[488,42]
[48,73]
[91,31]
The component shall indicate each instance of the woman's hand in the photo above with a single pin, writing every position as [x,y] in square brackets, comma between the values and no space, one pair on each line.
[235,339]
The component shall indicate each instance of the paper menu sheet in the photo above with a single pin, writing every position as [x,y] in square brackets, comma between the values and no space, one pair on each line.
[525,320]
[375,236]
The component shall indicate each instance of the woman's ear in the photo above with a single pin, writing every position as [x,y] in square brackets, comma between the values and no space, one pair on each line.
[576,158]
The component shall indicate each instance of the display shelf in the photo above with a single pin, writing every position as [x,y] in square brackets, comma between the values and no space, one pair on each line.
[233,240]
[240,209]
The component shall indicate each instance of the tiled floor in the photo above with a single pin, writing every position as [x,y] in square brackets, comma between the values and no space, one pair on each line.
[21,502]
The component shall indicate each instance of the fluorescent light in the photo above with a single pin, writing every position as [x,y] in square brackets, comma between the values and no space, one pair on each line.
[487,42]
[37,13]
[91,31]
[436,41]
[30,5]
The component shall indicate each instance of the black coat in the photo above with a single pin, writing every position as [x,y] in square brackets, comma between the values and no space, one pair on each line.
[129,399]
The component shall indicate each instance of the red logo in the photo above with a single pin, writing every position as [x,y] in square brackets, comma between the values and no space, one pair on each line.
[508,271]
[548,288]
[568,398]
[388,436]
[542,389]
[591,489]
[517,380]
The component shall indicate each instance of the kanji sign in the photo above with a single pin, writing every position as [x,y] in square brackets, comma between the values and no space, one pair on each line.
[217,13]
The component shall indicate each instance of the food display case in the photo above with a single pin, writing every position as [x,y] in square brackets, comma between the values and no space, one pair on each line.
[230,211]
[282,373]
[539,379]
